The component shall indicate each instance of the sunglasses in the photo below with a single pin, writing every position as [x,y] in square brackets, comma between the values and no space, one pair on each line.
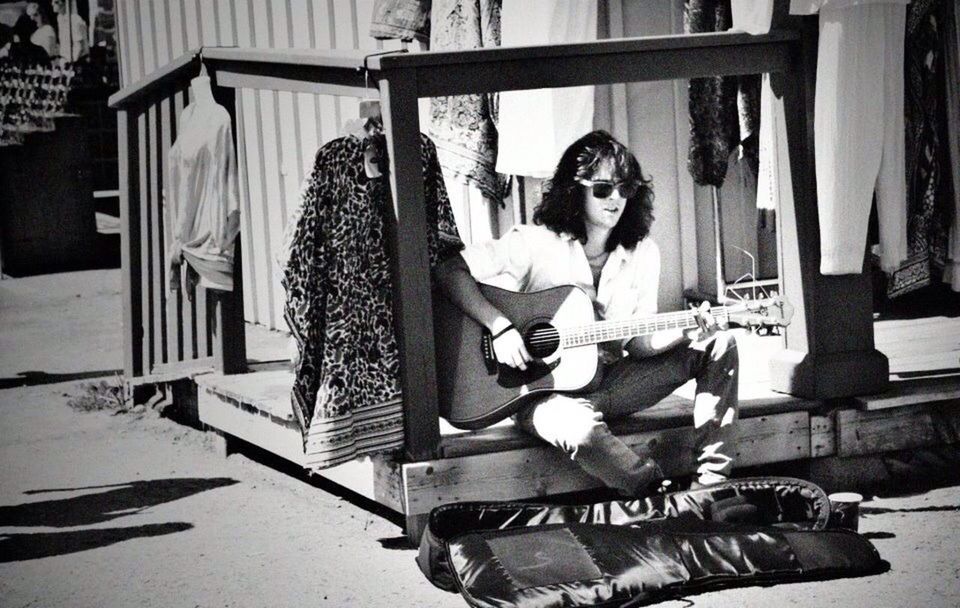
[604,188]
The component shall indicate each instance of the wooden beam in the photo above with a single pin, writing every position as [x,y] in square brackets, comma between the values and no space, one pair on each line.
[130,273]
[159,81]
[338,59]
[173,323]
[298,81]
[228,415]
[913,426]
[229,331]
[823,438]
[542,470]
[163,372]
[146,267]
[386,483]
[578,70]
[558,53]
[407,243]
[154,189]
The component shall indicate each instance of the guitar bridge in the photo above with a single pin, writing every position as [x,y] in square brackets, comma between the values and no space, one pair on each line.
[486,351]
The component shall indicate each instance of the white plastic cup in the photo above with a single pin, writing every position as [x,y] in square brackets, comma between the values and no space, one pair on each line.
[845,510]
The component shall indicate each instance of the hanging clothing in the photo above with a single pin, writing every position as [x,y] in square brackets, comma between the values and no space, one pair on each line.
[72,32]
[46,38]
[951,68]
[401,19]
[714,120]
[751,16]
[463,127]
[202,201]
[724,110]
[536,126]
[339,301]
[929,208]
[858,130]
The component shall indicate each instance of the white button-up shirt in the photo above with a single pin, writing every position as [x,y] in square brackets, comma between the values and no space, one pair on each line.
[533,258]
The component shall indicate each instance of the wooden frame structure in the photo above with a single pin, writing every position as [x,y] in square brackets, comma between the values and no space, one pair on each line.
[830,350]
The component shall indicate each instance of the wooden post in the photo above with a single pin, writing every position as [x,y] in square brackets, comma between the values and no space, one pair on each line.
[413,306]
[829,345]
[229,331]
[131,279]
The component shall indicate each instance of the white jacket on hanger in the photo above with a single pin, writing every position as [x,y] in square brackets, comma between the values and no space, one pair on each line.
[203,202]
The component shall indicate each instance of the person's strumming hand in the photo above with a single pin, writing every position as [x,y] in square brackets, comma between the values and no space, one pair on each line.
[509,348]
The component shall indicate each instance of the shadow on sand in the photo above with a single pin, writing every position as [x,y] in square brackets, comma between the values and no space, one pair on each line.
[117,500]
[19,547]
[33,378]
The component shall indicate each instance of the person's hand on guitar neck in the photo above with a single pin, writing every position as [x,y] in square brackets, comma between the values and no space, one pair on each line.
[508,344]
[707,325]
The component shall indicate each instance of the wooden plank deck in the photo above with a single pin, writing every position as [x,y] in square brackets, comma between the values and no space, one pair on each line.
[921,408]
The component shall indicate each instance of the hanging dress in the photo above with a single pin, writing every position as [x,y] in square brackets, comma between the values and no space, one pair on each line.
[339,301]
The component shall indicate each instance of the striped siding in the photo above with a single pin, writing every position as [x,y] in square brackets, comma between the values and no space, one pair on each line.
[280,131]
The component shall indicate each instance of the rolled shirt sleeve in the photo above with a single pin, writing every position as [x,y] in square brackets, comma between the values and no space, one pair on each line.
[504,262]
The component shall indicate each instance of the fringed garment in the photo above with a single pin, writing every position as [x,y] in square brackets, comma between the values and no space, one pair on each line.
[339,307]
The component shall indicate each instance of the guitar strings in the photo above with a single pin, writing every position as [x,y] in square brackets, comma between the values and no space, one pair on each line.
[545,336]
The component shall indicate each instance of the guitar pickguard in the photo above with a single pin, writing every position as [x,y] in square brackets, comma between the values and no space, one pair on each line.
[513,377]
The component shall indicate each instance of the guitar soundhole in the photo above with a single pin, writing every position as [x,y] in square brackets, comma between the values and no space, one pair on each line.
[542,340]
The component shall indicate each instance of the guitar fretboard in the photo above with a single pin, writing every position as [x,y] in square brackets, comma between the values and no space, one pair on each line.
[605,331]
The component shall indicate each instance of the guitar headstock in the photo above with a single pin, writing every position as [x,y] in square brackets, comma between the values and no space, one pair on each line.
[766,312]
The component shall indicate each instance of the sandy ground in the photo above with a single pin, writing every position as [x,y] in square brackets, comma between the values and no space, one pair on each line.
[136,510]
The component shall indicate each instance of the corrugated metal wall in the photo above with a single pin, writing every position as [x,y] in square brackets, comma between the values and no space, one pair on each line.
[280,131]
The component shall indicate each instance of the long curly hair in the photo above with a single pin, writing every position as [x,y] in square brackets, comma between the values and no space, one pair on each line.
[562,206]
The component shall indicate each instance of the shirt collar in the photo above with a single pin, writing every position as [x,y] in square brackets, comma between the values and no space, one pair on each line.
[619,253]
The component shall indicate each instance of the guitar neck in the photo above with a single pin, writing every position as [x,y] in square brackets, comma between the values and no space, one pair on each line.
[605,331]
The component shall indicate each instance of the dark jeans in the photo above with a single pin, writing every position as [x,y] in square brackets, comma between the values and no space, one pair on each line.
[575,423]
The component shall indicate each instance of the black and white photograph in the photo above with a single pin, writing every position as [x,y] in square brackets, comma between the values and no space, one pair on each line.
[479,303]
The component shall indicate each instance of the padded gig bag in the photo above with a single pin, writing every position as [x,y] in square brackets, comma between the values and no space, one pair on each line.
[629,553]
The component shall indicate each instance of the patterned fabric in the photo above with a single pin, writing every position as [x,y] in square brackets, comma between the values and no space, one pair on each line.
[714,118]
[346,392]
[929,208]
[463,126]
[403,19]
[951,65]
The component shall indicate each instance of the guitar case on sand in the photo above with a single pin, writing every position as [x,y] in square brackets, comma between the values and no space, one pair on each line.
[635,552]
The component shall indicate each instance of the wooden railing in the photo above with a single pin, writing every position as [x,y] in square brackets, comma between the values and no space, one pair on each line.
[167,334]
[817,363]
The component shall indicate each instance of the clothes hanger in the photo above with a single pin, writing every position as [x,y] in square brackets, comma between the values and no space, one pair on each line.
[200,85]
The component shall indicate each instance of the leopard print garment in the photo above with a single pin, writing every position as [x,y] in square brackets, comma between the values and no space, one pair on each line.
[338,283]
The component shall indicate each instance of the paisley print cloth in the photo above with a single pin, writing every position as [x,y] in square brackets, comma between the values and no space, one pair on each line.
[464,126]
[339,293]
[929,208]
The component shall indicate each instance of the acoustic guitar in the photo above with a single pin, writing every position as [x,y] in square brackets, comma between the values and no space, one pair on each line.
[561,332]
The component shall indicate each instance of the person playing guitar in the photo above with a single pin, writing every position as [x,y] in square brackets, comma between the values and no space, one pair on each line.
[591,230]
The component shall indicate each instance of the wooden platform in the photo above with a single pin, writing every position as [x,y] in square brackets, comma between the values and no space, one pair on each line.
[921,408]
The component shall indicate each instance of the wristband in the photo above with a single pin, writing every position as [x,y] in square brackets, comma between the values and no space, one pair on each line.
[502,331]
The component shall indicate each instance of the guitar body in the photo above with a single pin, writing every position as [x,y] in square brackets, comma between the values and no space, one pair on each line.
[561,334]
[475,391]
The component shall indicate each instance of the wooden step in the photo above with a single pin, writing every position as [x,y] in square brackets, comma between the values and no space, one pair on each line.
[912,392]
